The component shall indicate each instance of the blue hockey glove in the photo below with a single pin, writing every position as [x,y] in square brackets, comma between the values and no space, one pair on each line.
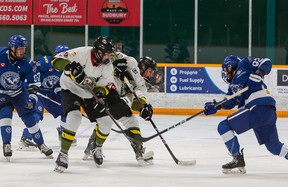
[254,82]
[210,108]
[120,68]
[31,102]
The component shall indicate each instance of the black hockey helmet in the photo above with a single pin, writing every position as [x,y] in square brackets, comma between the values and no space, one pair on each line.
[101,46]
[146,62]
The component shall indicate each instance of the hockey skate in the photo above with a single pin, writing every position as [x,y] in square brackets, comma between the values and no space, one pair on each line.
[144,159]
[7,151]
[97,156]
[74,142]
[46,150]
[61,163]
[88,151]
[26,145]
[237,162]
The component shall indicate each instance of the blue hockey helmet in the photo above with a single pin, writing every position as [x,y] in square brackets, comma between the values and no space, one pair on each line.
[229,67]
[60,48]
[17,41]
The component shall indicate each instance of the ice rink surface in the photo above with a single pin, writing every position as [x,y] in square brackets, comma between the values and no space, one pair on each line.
[196,139]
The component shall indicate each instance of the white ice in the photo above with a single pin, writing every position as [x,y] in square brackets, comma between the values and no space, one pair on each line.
[196,139]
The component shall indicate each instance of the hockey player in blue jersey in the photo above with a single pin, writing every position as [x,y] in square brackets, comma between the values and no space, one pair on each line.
[256,109]
[50,88]
[15,66]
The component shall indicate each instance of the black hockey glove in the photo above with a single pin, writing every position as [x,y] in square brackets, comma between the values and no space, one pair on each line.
[75,71]
[99,107]
[146,112]
[120,68]
[33,89]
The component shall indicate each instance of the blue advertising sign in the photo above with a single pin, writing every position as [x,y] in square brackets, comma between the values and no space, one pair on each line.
[190,80]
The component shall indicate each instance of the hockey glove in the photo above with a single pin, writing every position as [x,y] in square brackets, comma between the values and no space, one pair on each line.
[100,91]
[31,102]
[76,73]
[254,82]
[33,89]
[210,108]
[146,112]
[99,107]
[120,68]
[136,106]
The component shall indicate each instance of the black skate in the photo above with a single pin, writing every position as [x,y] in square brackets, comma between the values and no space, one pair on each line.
[144,159]
[26,145]
[46,150]
[88,151]
[237,162]
[7,151]
[74,142]
[97,156]
[61,162]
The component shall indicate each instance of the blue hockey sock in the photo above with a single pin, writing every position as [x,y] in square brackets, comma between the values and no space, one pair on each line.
[27,134]
[6,133]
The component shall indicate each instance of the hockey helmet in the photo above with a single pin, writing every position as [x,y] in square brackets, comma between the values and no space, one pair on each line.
[229,67]
[60,48]
[17,41]
[101,46]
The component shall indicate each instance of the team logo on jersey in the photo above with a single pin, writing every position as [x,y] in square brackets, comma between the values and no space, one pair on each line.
[111,86]
[2,64]
[50,81]
[65,54]
[73,53]
[135,71]
[10,80]
[114,11]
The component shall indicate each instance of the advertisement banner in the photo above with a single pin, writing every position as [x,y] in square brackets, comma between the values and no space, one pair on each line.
[16,12]
[191,80]
[60,12]
[114,12]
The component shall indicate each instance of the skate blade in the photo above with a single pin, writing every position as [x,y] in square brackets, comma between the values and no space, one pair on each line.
[31,148]
[143,163]
[8,158]
[239,170]
[59,169]
[87,157]
[148,155]
[49,156]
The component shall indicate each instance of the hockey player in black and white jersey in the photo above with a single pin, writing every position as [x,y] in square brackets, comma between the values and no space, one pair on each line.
[126,66]
[82,66]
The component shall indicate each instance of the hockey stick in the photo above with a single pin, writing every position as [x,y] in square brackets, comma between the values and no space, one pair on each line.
[48,98]
[57,103]
[179,162]
[145,139]
[98,100]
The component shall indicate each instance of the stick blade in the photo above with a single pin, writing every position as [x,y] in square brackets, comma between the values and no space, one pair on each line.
[187,163]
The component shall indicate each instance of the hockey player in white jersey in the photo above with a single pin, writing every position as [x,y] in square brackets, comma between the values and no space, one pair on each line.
[82,66]
[126,66]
